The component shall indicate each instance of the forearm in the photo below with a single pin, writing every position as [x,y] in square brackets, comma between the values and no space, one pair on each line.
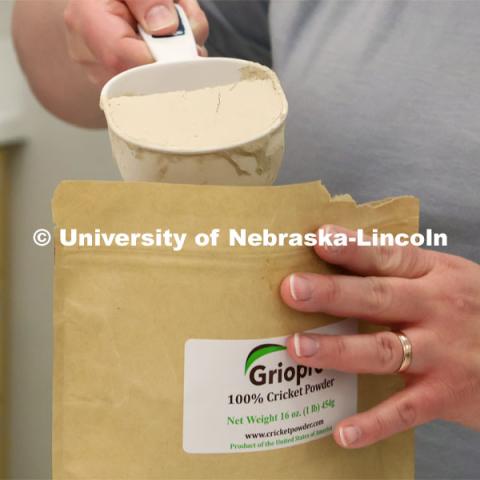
[59,84]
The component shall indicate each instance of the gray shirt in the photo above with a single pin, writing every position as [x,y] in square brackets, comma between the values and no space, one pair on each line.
[384,100]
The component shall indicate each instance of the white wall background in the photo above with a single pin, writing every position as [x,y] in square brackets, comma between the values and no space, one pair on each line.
[53,151]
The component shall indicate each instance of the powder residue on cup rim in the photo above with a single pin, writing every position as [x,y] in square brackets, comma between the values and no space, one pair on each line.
[209,118]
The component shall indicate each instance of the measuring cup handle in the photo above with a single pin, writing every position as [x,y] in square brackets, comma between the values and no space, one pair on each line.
[178,47]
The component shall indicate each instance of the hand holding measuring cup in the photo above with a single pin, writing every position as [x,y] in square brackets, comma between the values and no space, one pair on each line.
[102,35]
[253,157]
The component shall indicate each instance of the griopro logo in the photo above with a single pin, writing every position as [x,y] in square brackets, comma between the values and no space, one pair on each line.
[262,375]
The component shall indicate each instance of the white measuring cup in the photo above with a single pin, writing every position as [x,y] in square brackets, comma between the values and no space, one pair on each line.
[255,161]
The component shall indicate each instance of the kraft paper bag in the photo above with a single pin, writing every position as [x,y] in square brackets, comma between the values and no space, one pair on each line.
[172,364]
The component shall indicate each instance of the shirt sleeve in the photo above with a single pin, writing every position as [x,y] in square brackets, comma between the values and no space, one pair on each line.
[239,28]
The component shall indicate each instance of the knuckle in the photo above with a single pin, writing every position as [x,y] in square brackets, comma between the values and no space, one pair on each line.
[403,417]
[463,303]
[458,298]
[340,346]
[387,258]
[332,289]
[406,414]
[379,297]
[411,262]
[448,263]
[385,344]
[380,426]
[431,401]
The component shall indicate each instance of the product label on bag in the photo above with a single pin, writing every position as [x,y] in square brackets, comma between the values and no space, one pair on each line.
[248,395]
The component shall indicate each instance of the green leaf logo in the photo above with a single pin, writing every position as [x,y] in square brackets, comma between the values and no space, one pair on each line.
[261,351]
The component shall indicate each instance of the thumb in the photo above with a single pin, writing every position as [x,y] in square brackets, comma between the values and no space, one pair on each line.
[158,17]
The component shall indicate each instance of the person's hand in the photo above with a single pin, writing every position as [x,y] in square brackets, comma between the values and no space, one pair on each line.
[433,298]
[102,36]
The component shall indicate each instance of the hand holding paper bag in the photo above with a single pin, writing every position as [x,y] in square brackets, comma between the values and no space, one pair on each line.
[433,298]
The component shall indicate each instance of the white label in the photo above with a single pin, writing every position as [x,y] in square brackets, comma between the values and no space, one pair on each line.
[248,395]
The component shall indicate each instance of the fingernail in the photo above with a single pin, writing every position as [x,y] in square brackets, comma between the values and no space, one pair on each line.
[349,435]
[300,288]
[304,346]
[159,17]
